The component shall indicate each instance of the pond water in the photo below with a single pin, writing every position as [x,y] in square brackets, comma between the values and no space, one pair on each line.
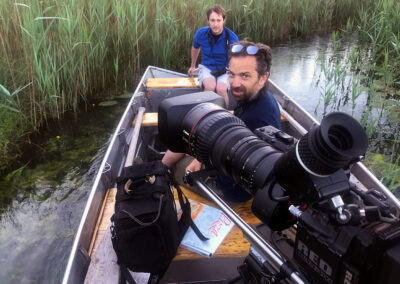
[296,68]
[41,208]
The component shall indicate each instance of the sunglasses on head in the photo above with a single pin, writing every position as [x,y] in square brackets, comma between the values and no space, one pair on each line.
[250,50]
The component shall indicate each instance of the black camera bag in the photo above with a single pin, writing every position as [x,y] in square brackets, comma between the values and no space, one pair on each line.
[145,230]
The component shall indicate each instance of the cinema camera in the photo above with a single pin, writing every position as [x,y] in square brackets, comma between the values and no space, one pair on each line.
[343,234]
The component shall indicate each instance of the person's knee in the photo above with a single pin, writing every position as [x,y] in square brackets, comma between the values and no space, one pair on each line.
[222,89]
[209,84]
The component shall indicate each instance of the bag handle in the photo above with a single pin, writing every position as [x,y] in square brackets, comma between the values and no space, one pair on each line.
[156,168]
[148,223]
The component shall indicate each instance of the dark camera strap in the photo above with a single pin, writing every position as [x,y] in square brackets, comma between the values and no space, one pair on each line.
[125,276]
[227,40]
[185,205]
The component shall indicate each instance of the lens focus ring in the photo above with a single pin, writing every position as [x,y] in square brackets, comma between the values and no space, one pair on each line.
[209,130]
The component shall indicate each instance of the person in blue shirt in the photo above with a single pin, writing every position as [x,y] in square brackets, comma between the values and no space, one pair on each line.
[213,42]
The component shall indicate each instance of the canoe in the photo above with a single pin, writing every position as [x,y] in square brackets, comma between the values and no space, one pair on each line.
[134,136]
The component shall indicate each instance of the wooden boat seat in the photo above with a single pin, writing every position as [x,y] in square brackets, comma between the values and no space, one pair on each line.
[104,263]
[168,83]
[233,245]
[151,119]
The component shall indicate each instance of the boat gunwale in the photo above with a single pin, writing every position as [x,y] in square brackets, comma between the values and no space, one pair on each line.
[93,190]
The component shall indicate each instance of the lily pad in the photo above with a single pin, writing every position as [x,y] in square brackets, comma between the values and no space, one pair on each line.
[108,103]
[125,96]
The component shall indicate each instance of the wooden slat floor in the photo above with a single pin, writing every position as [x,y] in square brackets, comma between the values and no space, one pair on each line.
[234,245]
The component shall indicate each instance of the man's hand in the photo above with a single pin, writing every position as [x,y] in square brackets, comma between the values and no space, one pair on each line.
[194,54]
[194,166]
[191,71]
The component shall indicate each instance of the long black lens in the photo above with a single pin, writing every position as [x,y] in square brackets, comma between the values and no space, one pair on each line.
[221,140]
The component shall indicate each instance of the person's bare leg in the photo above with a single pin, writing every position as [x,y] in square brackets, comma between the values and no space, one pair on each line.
[209,84]
[222,90]
[171,158]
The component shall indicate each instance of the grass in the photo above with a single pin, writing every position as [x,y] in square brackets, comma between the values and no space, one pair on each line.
[372,69]
[385,167]
[60,53]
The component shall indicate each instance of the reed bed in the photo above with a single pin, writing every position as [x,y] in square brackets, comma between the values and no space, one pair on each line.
[374,69]
[58,54]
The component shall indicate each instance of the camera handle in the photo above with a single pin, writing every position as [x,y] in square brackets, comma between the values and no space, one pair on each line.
[277,262]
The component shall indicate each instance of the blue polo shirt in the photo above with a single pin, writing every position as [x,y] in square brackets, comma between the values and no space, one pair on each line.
[214,56]
[262,111]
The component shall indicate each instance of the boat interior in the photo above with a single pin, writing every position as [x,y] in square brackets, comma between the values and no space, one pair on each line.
[187,266]
[136,139]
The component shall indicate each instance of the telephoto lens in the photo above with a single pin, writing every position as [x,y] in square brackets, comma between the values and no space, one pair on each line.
[218,139]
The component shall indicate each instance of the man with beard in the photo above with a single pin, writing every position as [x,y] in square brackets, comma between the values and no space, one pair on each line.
[249,69]
[213,41]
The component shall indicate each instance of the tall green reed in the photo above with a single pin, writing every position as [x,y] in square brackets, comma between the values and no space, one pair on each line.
[67,52]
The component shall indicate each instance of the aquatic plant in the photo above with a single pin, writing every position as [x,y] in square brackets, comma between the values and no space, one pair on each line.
[383,166]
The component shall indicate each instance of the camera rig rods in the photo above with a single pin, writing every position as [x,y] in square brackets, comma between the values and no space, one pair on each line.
[271,255]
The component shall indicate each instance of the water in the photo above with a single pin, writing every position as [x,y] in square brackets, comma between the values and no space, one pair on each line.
[296,68]
[41,208]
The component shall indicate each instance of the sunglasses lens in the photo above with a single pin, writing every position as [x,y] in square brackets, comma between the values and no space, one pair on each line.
[252,49]
[237,48]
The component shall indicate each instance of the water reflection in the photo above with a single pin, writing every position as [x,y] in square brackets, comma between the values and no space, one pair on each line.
[293,69]
[296,69]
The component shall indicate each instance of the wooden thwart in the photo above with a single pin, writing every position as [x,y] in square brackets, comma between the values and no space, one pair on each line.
[233,245]
[151,119]
[167,83]
[104,268]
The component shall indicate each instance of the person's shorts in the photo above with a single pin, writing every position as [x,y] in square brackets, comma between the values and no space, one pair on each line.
[205,73]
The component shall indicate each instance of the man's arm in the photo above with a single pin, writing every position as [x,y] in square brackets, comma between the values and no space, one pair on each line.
[171,158]
[194,55]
